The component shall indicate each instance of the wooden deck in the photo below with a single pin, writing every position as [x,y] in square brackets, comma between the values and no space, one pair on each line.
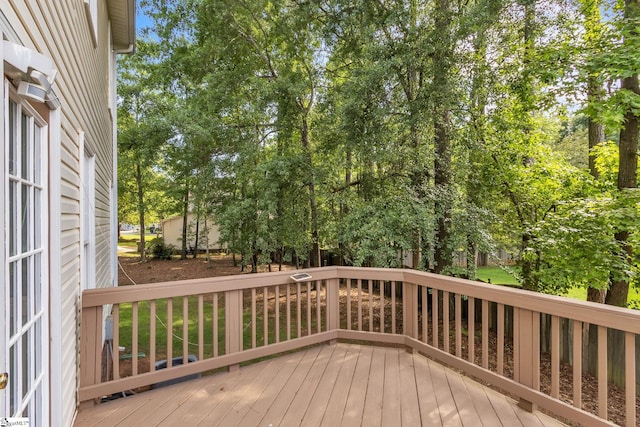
[328,385]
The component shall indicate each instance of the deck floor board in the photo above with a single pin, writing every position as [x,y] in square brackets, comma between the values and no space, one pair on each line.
[342,384]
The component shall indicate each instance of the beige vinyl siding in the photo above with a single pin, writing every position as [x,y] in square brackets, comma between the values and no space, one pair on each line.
[59,30]
[172,232]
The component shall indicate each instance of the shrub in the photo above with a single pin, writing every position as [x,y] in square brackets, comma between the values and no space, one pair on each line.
[159,250]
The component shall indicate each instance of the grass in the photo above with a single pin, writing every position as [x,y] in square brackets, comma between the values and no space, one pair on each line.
[500,276]
[144,313]
[497,275]
[132,239]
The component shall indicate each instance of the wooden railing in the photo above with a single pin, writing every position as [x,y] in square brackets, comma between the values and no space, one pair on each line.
[495,334]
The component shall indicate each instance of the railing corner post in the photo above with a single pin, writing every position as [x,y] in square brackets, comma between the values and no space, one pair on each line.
[333,304]
[410,309]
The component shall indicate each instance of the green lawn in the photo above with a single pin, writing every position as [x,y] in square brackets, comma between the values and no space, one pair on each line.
[500,276]
[132,239]
[125,330]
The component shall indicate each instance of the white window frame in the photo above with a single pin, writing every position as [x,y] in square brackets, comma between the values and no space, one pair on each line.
[9,93]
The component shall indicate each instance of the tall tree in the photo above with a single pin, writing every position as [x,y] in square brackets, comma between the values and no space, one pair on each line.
[628,146]
[142,129]
[595,94]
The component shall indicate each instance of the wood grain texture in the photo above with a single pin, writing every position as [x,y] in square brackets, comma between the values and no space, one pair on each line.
[325,385]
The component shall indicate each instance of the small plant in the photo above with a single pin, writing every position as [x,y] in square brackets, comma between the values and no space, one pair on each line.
[159,250]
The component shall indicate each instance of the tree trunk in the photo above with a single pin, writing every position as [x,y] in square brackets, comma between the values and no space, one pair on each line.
[185,220]
[628,162]
[195,246]
[595,84]
[443,256]
[315,235]
[596,137]
[142,246]
[206,240]
[478,105]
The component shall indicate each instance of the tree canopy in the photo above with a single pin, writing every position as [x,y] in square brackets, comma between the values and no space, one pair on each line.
[395,133]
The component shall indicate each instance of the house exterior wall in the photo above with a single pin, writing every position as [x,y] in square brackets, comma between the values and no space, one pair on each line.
[172,233]
[62,31]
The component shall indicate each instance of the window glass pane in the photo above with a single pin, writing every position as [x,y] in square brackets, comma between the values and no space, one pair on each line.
[37,206]
[26,374]
[13,218]
[34,417]
[25,279]
[13,298]
[38,349]
[24,146]
[26,217]
[37,282]
[13,152]
[37,156]
[13,378]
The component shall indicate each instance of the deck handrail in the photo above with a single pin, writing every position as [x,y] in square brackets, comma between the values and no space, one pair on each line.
[432,319]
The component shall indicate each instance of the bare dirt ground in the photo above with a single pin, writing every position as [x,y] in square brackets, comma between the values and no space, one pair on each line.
[132,271]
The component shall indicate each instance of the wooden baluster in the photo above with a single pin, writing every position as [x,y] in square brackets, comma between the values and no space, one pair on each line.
[425,315]
[169,332]
[185,330]
[359,305]
[253,318]
[577,364]
[134,338]
[435,324]
[393,307]
[471,328]
[277,324]
[370,299]
[485,334]
[381,292]
[298,309]
[445,320]
[215,325]
[265,315]
[200,327]
[555,357]
[630,377]
[152,335]
[458,323]
[348,304]
[309,325]
[602,372]
[500,349]
[288,299]
[318,306]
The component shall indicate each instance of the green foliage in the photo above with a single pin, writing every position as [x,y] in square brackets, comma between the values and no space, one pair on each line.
[578,243]
[159,250]
[368,128]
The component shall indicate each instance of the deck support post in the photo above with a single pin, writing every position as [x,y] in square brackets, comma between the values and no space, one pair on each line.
[410,309]
[526,343]
[233,321]
[91,349]
[333,304]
